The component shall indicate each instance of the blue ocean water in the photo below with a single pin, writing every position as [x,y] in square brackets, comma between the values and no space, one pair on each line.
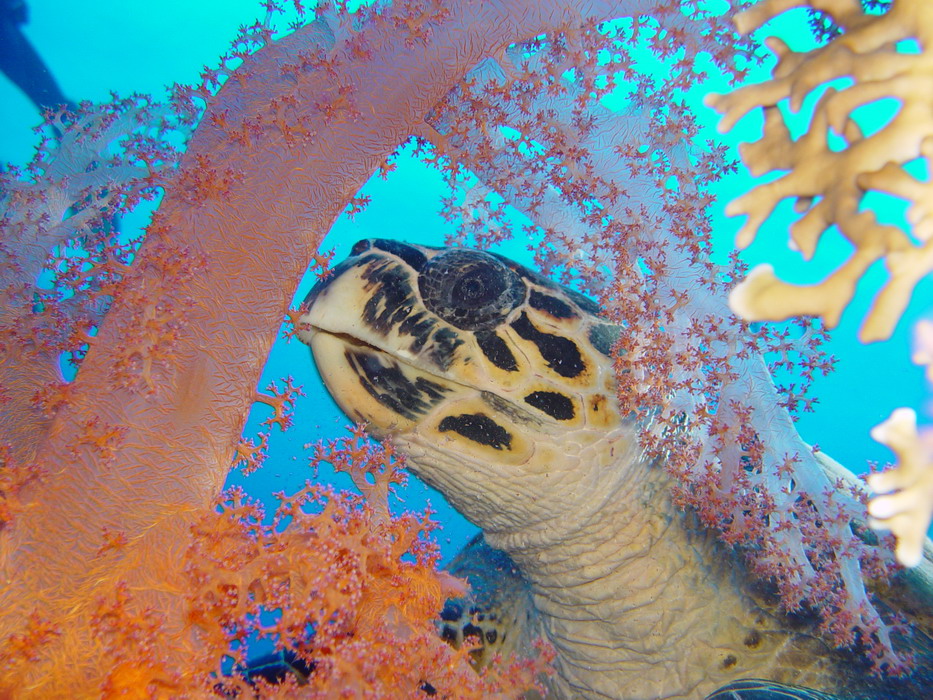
[111,45]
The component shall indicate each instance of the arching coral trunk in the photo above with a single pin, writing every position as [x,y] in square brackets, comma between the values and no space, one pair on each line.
[162,396]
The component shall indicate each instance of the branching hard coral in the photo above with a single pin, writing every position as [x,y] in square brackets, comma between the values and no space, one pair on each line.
[828,183]
[908,510]
[923,347]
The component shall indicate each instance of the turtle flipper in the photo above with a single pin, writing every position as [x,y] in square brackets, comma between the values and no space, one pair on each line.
[498,613]
[274,668]
[757,689]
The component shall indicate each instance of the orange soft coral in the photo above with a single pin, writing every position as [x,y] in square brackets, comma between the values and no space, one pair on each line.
[368,591]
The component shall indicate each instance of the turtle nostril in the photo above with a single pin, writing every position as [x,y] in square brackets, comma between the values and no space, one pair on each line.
[361,246]
[324,282]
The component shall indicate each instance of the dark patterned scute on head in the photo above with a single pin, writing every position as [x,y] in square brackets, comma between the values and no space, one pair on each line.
[361,246]
[391,306]
[413,257]
[550,305]
[445,342]
[603,336]
[392,299]
[581,300]
[496,350]
[384,380]
[479,428]
[561,354]
[553,403]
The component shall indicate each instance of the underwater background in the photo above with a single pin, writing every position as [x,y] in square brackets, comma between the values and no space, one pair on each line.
[94,49]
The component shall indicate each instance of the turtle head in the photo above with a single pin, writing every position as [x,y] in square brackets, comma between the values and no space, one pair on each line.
[495,382]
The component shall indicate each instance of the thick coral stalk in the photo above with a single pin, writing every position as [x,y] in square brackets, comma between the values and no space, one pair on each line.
[145,441]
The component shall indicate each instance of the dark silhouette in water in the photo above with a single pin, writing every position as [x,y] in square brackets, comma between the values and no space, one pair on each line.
[22,64]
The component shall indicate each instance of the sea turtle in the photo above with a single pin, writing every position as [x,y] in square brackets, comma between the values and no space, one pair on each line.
[497,385]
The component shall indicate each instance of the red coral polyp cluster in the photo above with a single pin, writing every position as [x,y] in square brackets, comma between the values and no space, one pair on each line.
[353,596]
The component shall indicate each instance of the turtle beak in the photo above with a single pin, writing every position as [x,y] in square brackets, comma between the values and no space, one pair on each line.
[358,249]
[333,305]
[370,383]
[324,283]
[362,382]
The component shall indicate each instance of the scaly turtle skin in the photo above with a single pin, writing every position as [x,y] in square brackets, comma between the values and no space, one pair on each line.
[497,385]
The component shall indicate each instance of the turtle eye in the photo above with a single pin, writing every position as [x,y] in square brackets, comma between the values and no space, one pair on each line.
[470,289]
